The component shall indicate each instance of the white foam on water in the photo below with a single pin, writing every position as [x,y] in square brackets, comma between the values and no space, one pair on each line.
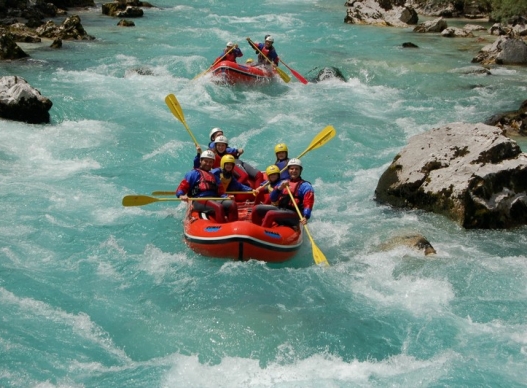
[320,370]
[80,323]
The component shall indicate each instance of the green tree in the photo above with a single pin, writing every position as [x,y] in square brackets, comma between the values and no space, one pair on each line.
[502,10]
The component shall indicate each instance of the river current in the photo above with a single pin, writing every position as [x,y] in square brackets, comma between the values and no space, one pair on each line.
[93,294]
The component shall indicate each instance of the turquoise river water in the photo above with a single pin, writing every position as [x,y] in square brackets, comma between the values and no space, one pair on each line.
[93,294]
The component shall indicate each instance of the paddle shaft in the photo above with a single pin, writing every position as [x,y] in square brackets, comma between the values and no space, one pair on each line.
[318,256]
[173,193]
[282,75]
[318,141]
[295,73]
[214,64]
[140,200]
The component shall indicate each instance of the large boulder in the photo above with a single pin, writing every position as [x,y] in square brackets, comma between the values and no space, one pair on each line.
[471,173]
[9,49]
[506,50]
[70,29]
[391,13]
[21,102]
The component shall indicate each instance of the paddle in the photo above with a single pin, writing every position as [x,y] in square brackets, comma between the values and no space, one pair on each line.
[295,73]
[173,193]
[175,108]
[318,256]
[211,66]
[140,200]
[280,72]
[322,138]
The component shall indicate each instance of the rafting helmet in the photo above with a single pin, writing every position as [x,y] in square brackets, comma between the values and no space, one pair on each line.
[272,169]
[295,162]
[221,139]
[226,159]
[213,131]
[230,44]
[280,147]
[208,154]
[269,38]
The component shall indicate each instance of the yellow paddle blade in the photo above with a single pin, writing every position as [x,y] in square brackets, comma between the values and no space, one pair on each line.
[175,108]
[283,75]
[318,256]
[322,138]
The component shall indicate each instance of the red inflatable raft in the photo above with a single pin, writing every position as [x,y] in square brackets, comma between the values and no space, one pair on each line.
[232,73]
[242,239]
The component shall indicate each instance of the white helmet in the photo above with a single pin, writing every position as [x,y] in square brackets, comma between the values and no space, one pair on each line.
[294,162]
[269,39]
[208,154]
[213,131]
[221,139]
[230,44]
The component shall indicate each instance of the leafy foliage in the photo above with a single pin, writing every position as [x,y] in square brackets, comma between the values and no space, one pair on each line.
[502,10]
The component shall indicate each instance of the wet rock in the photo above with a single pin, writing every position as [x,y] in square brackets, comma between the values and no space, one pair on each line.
[410,45]
[9,49]
[470,173]
[514,123]
[415,241]
[506,50]
[329,73]
[436,25]
[126,23]
[389,13]
[21,102]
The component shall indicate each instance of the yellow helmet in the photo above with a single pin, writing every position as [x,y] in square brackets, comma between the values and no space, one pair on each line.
[272,169]
[226,159]
[280,147]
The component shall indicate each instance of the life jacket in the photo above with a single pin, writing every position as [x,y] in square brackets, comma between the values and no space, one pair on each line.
[282,165]
[265,51]
[230,57]
[206,182]
[285,199]
[225,181]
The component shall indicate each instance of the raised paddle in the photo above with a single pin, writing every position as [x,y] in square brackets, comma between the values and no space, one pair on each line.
[140,200]
[320,139]
[318,256]
[295,73]
[173,193]
[280,72]
[215,63]
[175,108]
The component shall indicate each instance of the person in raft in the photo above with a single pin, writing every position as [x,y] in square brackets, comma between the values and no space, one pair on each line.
[201,182]
[262,192]
[302,192]
[230,53]
[266,49]
[226,176]
[244,170]
[281,151]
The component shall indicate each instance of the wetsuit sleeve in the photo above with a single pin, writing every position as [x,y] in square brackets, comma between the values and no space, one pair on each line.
[238,53]
[196,161]
[308,201]
[237,186]
[186,183]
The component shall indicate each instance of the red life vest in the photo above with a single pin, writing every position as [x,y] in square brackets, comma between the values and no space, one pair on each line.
[206,182]
[285,200]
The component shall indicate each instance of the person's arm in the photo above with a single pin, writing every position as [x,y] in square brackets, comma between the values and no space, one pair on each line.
[277,192]
[308,193]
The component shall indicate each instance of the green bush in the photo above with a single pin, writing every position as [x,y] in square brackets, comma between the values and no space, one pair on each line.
[502,10]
